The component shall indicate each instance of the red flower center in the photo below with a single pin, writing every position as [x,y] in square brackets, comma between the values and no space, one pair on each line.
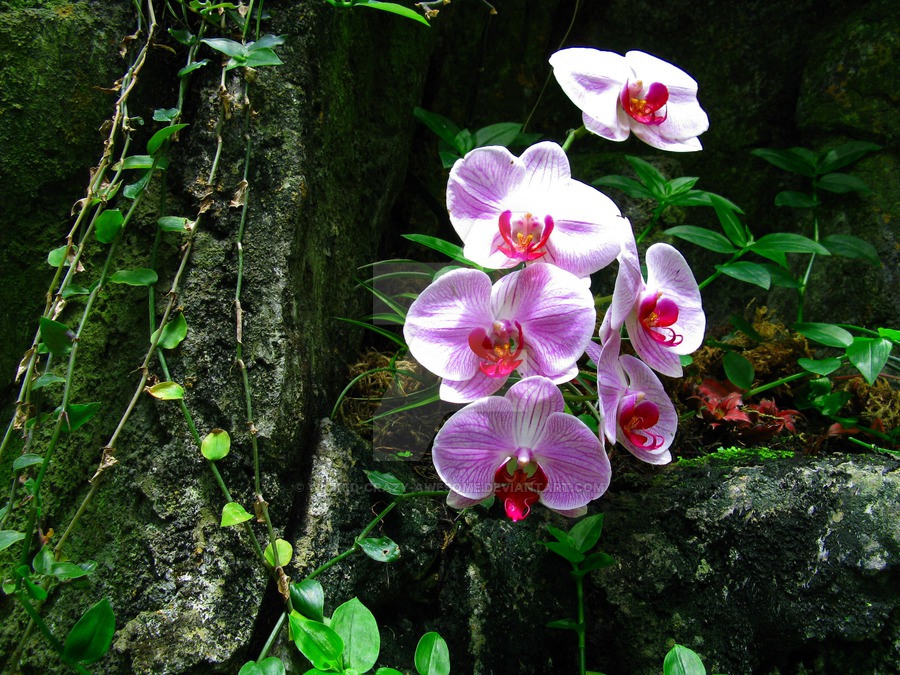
[636,417]
[520,236]
[656,314]
[499,349]
[643,106]
[519,486]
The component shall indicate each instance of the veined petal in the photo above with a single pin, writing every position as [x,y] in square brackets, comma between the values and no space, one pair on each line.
[593,80]
[533,400]
[669,272]
[471,389]
[457,501]
[649,68]
[629,283]
[657,137]
[611,383]
[440,320]
[661,358]
[556,313]
[472,445]
[574,462]
[642,379]
[546,166]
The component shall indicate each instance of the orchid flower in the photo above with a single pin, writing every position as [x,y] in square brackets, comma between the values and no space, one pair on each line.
[509,210]
[536,321]
[637,411]
[633,93]
[664,316]
[523,448]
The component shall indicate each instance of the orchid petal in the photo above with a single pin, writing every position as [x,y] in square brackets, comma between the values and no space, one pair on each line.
[533,400]
[457,501]
[471,389]
[546,165]
[667,270]
[611,383]
[642,379]
[629,283]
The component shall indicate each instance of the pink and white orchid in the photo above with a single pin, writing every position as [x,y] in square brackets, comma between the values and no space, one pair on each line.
[509,210]
[537,321]
[523,448]
[633,93]
[637,411]
[664,316]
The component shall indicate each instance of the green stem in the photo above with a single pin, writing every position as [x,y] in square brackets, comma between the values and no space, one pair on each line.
[801,291]
[573,134]
[715,275]
[579,594]
[272,637]
[657,213]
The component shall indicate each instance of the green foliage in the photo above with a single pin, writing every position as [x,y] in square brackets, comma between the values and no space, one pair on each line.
[738,370]
[91,637]
[172,334]
[682,661]
[432,655]
[382,549]
[308,598]
[250,55]
[215,445]
[357,627]
[269,666]
[386,482]
[284,550]
[234,514]
[166,391]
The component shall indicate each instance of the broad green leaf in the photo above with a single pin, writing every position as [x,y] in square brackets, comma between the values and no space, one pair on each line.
[825,333]
[191,67]
[386,481]
[738,370]
[787,242]
[79,414]
[432,656]
[820,366]
[649,175]
[10,537]
[316,641]
[268,666]
[797,200]
[134,190]
[285,553]
[568,552]
[74,289]
[851,247]
[135,162]
[681,185]
[226,46]
[216,445]
[890,334]
[497,134]
[741,324]
[161,136]
[388,671]
[26,460]
[747,272]
[842,183]
[173,224]
[789,161]
[586,532]
[138,277]
[844,155]
[43,559]
[382,549]
[560,536]
[440,125]
[91,635]
[234,514]
[682,661]
[56,336]
[107,225]
[707,239]
[166,391]
[732,227]
[165,114]
[266,42]
[57,256]
[34,591]
[629,186]
[308,598]
[183,36]
[464,142]
[358,629]
[781,277]
[452,251]
[262,57]
[172,333]
[393,8]
[869,356]
[596,561]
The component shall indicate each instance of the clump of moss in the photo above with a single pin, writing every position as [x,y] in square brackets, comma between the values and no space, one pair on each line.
[738,455]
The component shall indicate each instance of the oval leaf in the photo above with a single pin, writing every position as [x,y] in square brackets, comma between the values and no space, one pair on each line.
[316,641]
[683,661]
[139,277]
[747,272]
[285,553]
[216,445]
[10,537]
[358,629]
[24,461]
[432,656]
[161,136]
[172,333]
[702,237]
[869,356]
[56,336]
[382,549]
[308,598]
[738,370]
[91,635]
[797,200]
[166,391]
[268,666]
[586,532]
[108,225]
[78,414]
[387,482]
[851,247]
[234,514]
[787,242]
[821,366]
[825,333]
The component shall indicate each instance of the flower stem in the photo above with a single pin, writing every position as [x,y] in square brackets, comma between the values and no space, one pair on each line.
[573,134]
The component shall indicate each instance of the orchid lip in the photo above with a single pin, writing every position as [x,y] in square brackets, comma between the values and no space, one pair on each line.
[520,244]
[519,486]
[644,110]
[500,350]
[636,417]
[657,314]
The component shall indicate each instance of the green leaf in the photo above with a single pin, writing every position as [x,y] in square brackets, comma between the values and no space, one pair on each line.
[629,186]
[820,367]
[79,414]
[183,36]
[316,641]
[432,656]
[191,67]
[596,561]
[568,552]
[308,598]
[266,42]
[842,183]
[386,481]
[497,134]
[134,190]
[890,334]
[138,277]
[747,272]
[10,537]
[797,200]
[844,155]
[393,8]
[781,277]
[561,537]
[56,336]
[452,251]
[681,185]
[707,239]
[74,289]
[732,227]
[649,175]
[566,624]
[161,136]
[234,514]
[34,591]
[825,333]
[741,324]
[216,445]
[24,461]
[57,256]
[440,125]
[262,57]
[165,114]
[268,666]
[789,160]
[173,224]
[226,46]
[851,247]
[787,242]
[108,225]
[682,661]
[382,549]
[358,629]
[869,356]
[388,671]
[464,142]
[166,391]
[172,333]
[738,370]
[586,532]
[135,162]
[285,553]
[91,635]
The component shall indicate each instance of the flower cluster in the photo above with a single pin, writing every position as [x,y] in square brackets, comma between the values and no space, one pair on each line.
[528,215]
